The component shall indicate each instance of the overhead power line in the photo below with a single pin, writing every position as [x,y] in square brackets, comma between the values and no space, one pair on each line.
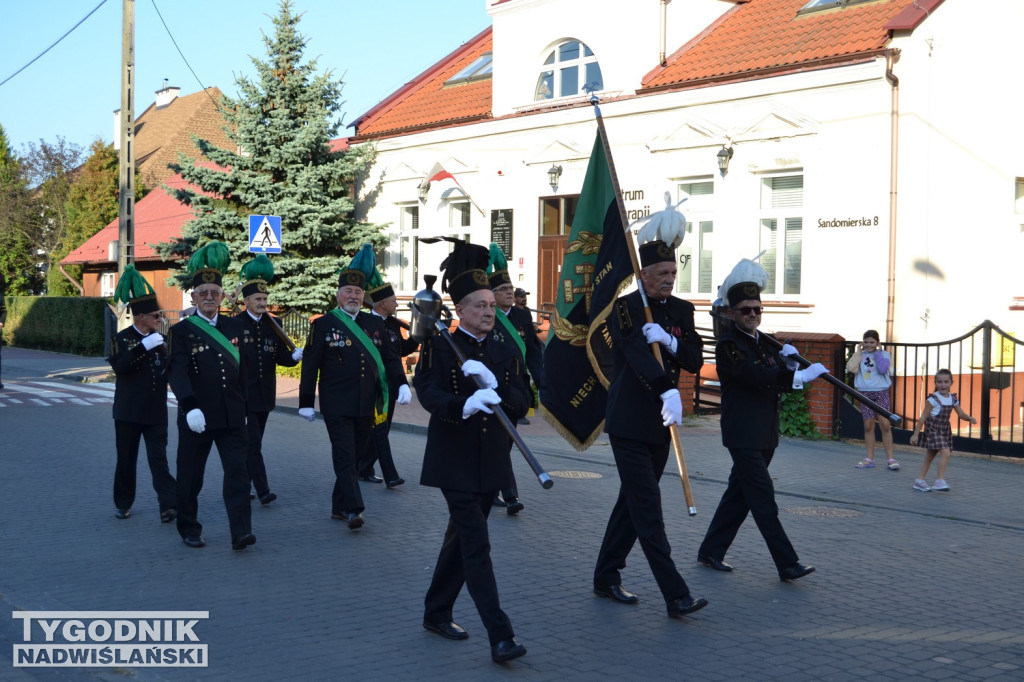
[205,89]
[55,43]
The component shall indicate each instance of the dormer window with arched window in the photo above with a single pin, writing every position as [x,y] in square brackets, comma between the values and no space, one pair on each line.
[570,69]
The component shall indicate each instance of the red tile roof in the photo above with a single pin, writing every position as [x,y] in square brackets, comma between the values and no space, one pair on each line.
[158,218]
[766,36]
[425,101]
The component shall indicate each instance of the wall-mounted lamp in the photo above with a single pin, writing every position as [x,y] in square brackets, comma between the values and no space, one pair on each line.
[554,173]
[422,190]
[724,156]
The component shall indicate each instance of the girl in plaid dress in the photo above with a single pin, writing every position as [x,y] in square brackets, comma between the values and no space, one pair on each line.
[938,436]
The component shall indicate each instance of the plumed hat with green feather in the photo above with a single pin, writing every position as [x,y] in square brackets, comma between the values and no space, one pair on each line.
[134,290]
[257,275]
[497,267]
[376,288]
[355,273]
[207,265]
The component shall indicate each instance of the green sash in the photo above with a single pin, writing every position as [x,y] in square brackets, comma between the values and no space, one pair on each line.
[215,334]
[380,412]
[507,324]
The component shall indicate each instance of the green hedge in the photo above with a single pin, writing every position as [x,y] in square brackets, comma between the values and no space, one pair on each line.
[56,323]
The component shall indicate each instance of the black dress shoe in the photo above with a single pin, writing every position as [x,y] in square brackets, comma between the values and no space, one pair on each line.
[243,541]
[797,570]
[268,498]
[498,502]
[122,513]
[395,483]
[506,650]
[677,608]
[194,541]
[168,515]
[714,563]
[449,630]
[514,506]
[355,521]
[617,593]
[252,496]
[371,479]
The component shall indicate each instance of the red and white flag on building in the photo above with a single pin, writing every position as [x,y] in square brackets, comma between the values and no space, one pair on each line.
[440,175]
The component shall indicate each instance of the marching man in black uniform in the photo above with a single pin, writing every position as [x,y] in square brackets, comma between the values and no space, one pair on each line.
[643,400]
[353,384]
[753,376]
[208,379]
[467,452]
[139,360]
[380,295]
[263,353]
[515,327]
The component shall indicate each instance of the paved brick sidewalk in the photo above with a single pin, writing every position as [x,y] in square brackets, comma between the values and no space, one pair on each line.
[909,585]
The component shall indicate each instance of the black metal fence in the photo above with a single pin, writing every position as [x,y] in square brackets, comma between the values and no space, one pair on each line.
[294,323]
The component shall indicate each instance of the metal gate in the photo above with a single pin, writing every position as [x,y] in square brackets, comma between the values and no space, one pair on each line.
[988,377]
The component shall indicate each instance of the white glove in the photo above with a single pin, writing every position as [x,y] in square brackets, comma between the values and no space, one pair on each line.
[307,413]
[671,407]
[152,341]
[785,352]
[196,420]
[655,333]
[297,354]
[479,401]
[404,395]
[477,368]
[809,374]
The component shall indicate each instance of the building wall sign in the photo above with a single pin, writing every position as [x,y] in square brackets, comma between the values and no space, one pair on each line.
[848,222]
[501,230]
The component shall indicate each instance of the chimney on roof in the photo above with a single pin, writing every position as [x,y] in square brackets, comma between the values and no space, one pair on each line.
[166,95]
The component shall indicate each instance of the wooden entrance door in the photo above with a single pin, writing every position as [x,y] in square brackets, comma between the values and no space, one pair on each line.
[551,253]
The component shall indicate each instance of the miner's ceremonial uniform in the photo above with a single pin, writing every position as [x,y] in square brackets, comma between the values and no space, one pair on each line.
[140,412]
[350,394]
[640,442]
[263,351]
[208,374]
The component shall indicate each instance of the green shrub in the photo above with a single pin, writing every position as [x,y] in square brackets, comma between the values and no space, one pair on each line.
[795,418]
[56,323]
[296,371]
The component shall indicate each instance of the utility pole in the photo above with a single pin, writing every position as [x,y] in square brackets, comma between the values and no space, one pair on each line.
[126,163]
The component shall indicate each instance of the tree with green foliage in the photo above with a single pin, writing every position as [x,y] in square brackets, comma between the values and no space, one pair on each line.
[17,255]
[93,201]
[284,123]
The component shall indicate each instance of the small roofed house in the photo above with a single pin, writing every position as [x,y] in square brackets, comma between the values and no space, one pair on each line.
[162,131]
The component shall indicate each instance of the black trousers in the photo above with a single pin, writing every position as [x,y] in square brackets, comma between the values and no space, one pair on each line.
[465,559]
[750,489]
[127,437]
[349,438]
[193,450]
[379,449]
[255,426]
[637,516]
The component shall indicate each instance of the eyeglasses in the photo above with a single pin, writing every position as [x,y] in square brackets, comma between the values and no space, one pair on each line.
[750,310]
[207,294]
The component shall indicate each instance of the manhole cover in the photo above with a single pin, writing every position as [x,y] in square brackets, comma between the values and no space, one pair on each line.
[573,474]
[830,512]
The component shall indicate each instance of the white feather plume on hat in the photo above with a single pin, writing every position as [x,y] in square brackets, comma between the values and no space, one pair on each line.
[747,270]
[668,225]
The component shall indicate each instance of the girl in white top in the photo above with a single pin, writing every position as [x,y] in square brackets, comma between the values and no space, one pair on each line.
[871,367]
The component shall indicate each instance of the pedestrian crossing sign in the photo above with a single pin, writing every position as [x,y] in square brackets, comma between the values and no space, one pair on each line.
[264,234]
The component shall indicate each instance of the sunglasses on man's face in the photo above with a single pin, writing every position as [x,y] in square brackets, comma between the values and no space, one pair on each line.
[749,310]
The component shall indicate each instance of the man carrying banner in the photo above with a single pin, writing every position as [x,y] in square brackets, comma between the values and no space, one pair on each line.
[207,376]
[642,402]
[467,452]
[515,327]
[353,385]
[753,376]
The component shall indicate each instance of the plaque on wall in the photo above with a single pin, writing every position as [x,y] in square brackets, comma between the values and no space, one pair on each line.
[501,230]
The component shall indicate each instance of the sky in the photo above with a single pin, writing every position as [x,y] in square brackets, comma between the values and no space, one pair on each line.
[73,90]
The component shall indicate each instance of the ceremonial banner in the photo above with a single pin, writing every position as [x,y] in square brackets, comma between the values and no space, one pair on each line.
[596,269]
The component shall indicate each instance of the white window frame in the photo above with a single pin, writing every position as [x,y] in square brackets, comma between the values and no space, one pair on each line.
[695,272]
[782,206]
[404,253]
[553,72]
[108,283]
